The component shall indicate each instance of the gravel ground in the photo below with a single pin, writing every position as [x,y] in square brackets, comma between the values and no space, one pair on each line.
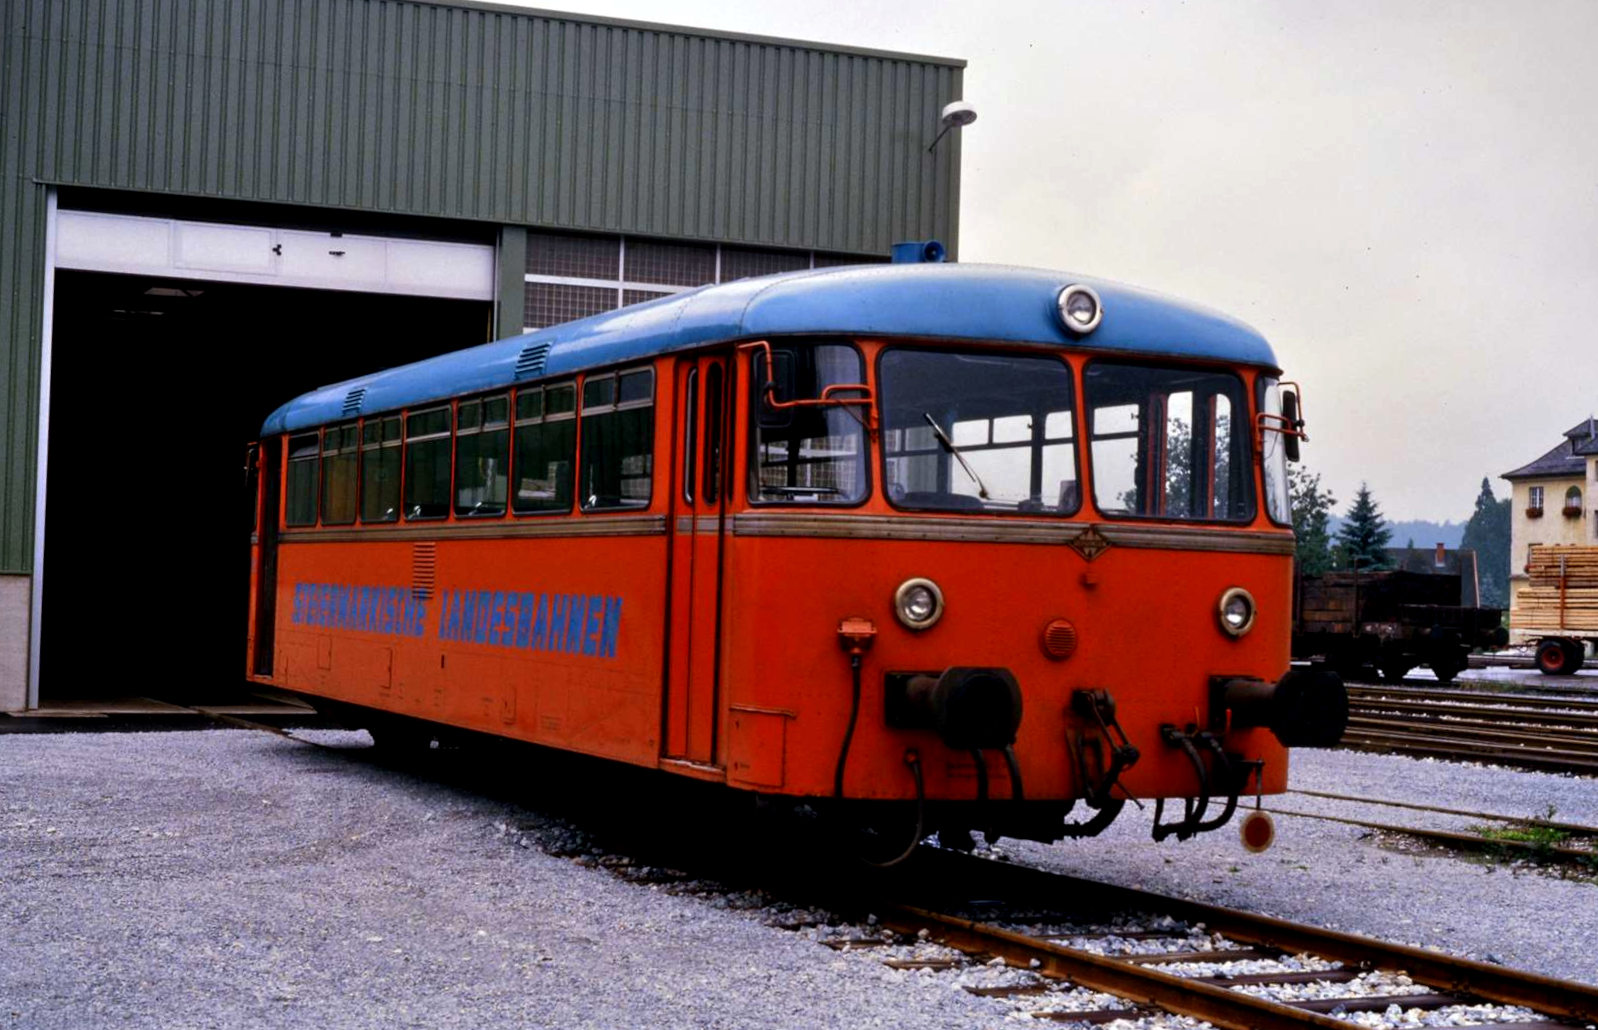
[235,879]
[1340,876]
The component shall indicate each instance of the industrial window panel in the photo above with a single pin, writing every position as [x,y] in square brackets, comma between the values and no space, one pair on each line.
[427,464]
[339,481]
[618,427]
[576,257]
[380,470]
[553,303]
[546,448]
[482,456]
[743,262]
[671,264]
[304,458]
[630,297]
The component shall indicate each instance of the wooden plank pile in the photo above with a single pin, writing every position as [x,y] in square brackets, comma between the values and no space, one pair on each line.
[1562,591]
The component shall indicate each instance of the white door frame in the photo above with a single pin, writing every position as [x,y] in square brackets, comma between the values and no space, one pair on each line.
[400,279]
[42,468]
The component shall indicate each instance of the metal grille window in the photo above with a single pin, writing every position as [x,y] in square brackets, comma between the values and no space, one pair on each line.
[546,448]
[673,264]
[618,426]
[576,257]
[427,464]
[570,276]
[380,469]
[339,457]
[743,262]
[304,458]
[482,456]
[553,303]
[810,454]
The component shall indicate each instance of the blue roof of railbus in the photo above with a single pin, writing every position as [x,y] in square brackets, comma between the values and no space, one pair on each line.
[930,301]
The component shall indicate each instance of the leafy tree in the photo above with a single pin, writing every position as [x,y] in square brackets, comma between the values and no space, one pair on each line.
[1312,508]
[1364,534]
[1487,533]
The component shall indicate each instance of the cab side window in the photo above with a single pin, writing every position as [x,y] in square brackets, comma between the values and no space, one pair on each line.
[339,456]
[427,452]
[482,456]
[304,475]
[380,470]
[618,427]
[546,448]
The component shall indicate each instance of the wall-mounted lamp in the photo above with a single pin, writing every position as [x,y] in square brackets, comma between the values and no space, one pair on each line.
[956,114]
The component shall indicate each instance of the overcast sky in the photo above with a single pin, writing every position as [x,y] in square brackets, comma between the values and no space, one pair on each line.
[1402,197]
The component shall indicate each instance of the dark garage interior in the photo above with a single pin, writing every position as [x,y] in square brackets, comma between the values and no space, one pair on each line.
[157,386]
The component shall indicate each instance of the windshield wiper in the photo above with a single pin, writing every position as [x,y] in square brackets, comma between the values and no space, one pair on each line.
[982,489]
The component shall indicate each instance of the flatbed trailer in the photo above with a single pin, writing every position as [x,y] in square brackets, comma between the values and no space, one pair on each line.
[1557,610]
[1389,620]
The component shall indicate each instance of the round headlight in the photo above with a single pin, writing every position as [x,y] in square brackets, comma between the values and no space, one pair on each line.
[1237,611]
[1080,310]
[918,603]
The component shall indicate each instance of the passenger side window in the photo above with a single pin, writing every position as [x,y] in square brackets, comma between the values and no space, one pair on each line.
[427,464]
[618,425]
[380,470]
[482,456]
[546,448]
[304,458]
[339,456]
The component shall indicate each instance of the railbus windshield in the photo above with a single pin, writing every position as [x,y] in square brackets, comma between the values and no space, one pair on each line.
[1169,442]
[978,432]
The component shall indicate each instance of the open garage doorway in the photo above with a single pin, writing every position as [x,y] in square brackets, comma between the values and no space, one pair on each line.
[157,386]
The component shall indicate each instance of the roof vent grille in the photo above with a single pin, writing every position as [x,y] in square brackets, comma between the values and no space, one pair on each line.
[352,401]
[531,361]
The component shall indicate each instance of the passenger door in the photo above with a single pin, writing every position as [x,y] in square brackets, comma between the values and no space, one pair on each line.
[699,502]
[269,459]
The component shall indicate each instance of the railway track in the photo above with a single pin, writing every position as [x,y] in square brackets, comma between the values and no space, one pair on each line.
[1068,950]
[1556,734]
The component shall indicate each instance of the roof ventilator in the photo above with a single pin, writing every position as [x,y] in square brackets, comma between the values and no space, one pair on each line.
[919,252]
[531,360]
[353,400]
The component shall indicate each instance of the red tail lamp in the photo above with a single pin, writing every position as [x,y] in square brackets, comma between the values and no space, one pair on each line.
[1258,831]
[1059,640]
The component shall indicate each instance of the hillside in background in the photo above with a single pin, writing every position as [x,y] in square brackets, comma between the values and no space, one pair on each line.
[1424,532]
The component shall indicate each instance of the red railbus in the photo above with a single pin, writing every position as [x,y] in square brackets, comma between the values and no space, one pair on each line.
[976,542]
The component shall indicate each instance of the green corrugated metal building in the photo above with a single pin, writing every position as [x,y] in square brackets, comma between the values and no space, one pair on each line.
[196,194]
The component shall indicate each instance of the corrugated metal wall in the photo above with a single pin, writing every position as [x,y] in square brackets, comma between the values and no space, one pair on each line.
[451,111]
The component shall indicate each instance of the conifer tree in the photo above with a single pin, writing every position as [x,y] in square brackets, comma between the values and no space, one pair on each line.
[1364,535]
[1487,533]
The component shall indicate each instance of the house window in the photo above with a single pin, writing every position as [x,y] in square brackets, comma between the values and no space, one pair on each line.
[1573,503]
[1534,502]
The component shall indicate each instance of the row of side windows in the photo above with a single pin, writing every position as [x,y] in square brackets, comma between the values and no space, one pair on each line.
[511,449]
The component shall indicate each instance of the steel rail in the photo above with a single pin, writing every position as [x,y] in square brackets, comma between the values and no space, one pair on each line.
[1559,998]
[1575,828]
[1543,717]
[1566,739]
[1457,839]
[1138,983]
[1507,700]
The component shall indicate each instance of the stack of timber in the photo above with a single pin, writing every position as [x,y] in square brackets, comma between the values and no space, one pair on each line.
[1562,592]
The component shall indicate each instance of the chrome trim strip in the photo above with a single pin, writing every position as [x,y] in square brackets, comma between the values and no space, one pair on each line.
[646,525]
[1011,531]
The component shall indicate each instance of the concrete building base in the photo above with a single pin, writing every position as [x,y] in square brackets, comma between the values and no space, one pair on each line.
[16,600]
